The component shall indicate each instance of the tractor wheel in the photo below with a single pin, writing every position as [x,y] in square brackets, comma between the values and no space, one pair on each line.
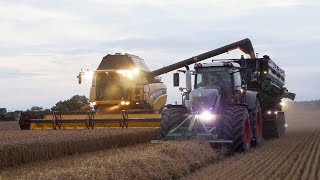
[270,129]
[235,126]
[257,125]
[274,128]
[225,125]
[241,130]
[279,130]
[171,117]
[282,123]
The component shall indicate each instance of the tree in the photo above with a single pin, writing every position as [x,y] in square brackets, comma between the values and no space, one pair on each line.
[36,109]
[73,104]
[3,111]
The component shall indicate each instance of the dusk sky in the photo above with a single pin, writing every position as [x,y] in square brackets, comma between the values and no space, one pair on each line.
[44,44]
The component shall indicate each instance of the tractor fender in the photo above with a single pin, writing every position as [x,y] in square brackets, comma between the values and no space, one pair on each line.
[168,106]
[251,97]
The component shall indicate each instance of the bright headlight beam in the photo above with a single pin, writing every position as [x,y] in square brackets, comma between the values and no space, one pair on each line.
[129,73]
[207,116]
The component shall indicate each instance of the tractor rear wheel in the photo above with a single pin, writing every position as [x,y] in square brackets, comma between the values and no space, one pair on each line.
[172,117]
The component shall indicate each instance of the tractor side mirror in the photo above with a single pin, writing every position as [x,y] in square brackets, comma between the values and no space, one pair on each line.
[176,79]
[79,77]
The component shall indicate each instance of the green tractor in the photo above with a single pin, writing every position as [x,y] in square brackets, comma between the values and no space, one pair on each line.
[235,102]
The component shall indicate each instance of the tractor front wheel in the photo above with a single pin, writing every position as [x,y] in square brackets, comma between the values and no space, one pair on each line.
[241,130]
[235,126]
[172,117]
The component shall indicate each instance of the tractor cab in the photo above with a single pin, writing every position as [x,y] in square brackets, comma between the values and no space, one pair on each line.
[216,84]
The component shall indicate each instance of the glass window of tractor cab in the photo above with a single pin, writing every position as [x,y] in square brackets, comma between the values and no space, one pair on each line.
[237,80]
[213,77]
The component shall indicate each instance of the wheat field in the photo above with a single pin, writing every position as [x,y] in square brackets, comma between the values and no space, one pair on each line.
[295,156]
[19,147]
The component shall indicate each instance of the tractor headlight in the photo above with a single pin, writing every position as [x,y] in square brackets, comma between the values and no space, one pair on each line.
[125,103]
[207,116]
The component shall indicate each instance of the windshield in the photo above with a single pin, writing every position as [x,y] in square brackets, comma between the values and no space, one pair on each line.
[114,86]
[108,87]
[216,76]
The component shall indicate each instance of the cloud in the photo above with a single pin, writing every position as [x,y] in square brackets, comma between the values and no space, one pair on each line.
[43,44]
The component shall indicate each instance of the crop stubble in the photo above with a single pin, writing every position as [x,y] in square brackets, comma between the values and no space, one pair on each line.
[19,147]
[295,156]
[146,161]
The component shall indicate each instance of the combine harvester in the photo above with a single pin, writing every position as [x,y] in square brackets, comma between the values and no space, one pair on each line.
[233,101]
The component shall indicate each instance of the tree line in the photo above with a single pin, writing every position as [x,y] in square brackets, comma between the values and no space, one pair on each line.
[75,103]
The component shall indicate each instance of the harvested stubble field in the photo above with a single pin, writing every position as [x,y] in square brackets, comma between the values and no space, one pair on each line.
[19,147]
[296,156]
[9,125]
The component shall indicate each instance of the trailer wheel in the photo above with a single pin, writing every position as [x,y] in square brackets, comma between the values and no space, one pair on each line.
[279,129]
[271,129]
[171,117]
[257,125]
[241,130]
[281,126]
[284,123]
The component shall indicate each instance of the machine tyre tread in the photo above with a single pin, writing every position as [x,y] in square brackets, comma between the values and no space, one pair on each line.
[240,121]
[171,118]
[225,125]
[256,142]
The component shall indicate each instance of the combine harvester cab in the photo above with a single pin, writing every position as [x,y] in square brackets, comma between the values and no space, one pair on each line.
[122,95]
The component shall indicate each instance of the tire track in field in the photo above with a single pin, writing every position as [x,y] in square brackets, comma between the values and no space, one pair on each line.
[294,156]
[298,159]
[257,156]
[274,153]
[227,168]
[316,165]
[258,159]
[274,156]
[310,160]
